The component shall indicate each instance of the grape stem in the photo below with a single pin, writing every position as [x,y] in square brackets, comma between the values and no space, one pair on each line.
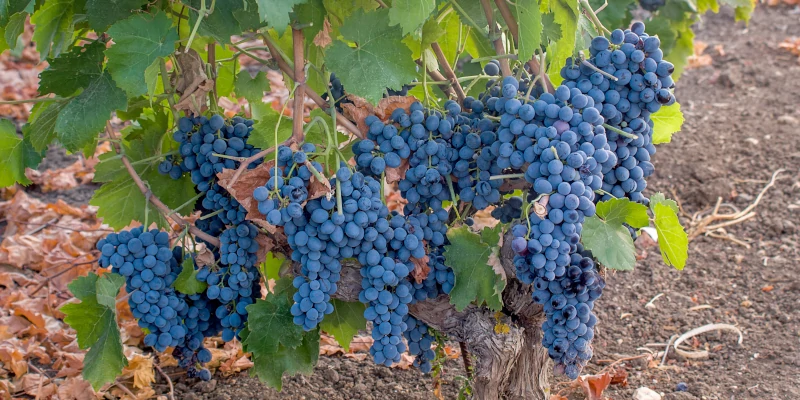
[282,64]
[448,72]
[587,8]
[621,132]
[495,37]
[207,216]
[298,134]
[490,58]
[594,67]
[201,13]
[227,157]
[145,160]
[506,176]
[453,195]
[152,198]
[36,100]
[162,66]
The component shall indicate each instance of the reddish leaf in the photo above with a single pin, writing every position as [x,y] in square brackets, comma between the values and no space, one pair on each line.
[421,268]
[594,385]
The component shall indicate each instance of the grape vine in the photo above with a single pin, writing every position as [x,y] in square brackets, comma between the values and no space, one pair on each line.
[514,140]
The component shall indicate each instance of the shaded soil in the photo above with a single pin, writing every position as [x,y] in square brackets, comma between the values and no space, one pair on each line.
[742,124]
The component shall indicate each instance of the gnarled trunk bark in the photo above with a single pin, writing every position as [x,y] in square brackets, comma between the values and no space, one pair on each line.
[508,365]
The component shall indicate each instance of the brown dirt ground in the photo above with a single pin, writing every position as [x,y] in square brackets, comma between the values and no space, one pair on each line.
[741,125]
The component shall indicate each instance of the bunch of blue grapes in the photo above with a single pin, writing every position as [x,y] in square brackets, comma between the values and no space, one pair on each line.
[227,208]
[640,85]
[235,282]
[440,278]
[206,146]
[150,267]
[419,343]
[509,210]
[569,324]
[282,196]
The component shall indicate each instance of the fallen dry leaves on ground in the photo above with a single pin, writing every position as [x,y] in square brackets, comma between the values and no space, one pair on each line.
[792,45]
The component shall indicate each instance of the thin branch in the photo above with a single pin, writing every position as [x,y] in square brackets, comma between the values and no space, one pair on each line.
[169,382]
[300,80]
[439,79]
[36,100]
[513,27]
[448,72]
[51,277]
[340,119]
[495,37]
[465,356]
[157,203]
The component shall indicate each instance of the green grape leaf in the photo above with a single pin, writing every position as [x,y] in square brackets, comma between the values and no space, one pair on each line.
[610,243]
[617,211]
[73,71]
[120,202]
[271,267]
[14,28]
[271,325]
[475,279]
[659,198]
[15,155]
[173,193]
[276,12]
[530,28]
[705,5]
[491,236]
[565,14]
[107,288]
[138,42]
[471,12]
[41,126]
[345,321]
[271,366]
[666,121]
[85,115]
[187,282]
[672,239]
[410,14]
[54,27]
[94,320]
[250,87]
[152,78]
[102,13]
[310,12]
[339,11]
[432,32]
[263,134]
[378,61]
[226,72]
[3,46]
[551,30]
[744,13]
[223,22]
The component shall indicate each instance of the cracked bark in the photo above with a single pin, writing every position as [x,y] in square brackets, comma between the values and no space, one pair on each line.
[511,365]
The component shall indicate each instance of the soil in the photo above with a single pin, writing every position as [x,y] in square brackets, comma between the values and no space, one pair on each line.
[742,125]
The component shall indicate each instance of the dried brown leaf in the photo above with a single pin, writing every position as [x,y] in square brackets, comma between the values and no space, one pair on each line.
[394,175]
[76,388]
[265,245]
[594,385]
[421,268]
[192,83]
[387,105]
[140,368]
[37,385]
[242,189]
[323,37]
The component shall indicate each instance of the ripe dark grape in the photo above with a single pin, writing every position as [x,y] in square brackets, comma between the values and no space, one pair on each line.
[149,267]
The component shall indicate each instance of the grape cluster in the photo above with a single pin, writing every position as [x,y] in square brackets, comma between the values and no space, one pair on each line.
[149,266]
[235,283]
[419,343]
[206,146]
[228,209]
[640,85]
[508,210]
[282,196]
